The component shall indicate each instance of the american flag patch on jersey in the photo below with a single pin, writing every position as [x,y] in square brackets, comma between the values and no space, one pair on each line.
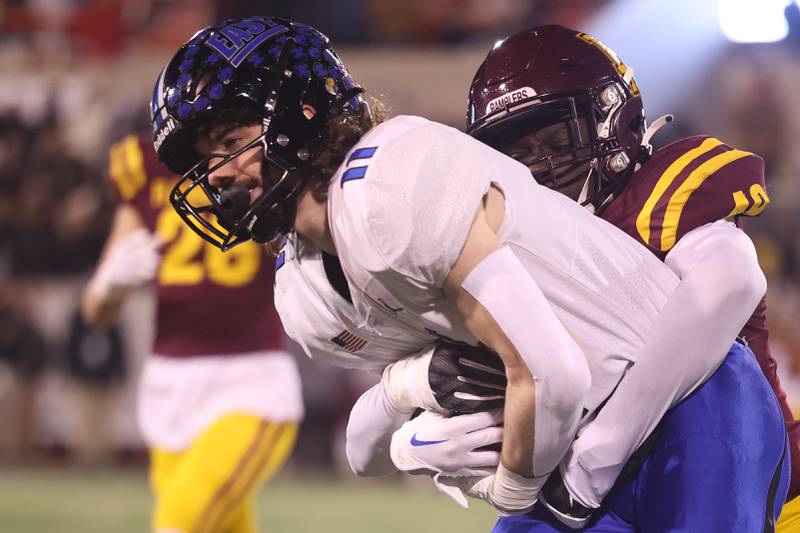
[348,341]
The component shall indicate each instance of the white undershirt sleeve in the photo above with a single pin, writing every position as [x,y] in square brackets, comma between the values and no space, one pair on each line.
[559,367]
[721,285]
[373,420]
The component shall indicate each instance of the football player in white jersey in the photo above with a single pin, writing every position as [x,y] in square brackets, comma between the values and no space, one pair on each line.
[437,234]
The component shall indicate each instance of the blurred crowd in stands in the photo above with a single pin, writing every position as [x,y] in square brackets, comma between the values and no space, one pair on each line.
[104,28]
[55,209]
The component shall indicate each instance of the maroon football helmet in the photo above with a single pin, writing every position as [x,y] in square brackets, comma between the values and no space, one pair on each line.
[561,102]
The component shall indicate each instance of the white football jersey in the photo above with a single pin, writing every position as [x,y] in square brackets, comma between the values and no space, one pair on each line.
[400,208]
[325,324]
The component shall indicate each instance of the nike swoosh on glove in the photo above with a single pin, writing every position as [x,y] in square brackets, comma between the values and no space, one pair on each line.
[432,443]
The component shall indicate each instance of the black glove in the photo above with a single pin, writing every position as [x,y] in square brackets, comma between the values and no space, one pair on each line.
[465,379]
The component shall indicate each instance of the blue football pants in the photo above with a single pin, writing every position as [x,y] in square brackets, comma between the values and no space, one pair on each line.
[719,464]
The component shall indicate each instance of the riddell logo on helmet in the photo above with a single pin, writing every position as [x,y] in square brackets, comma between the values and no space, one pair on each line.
[509,98]
[165,130]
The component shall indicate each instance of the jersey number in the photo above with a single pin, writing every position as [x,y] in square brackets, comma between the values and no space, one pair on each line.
[188,259]
[758,199]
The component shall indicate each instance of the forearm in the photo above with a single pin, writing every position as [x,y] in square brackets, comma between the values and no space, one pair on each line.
[515,319]
[100,309]
[129,257]
[520,420]
[372,422]
[548,375]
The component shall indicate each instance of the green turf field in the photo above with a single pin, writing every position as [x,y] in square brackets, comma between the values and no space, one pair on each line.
[56,500]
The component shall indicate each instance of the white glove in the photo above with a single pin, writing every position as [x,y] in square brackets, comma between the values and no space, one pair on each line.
[432,443]
[406,384]
[476,487]
[504,490]
[132,261]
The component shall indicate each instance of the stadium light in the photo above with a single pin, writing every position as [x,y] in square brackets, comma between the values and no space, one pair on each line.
[668,56]
[753,21]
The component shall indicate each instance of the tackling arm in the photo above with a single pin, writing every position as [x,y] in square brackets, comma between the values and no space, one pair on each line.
[721,284]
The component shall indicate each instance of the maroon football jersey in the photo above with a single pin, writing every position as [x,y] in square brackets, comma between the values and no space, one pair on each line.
[687,184]
[209,302]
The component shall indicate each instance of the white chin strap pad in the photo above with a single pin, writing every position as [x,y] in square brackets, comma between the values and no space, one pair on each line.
[560,371]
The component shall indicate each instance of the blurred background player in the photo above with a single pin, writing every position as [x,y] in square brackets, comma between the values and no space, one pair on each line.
[219,399]
[576,120]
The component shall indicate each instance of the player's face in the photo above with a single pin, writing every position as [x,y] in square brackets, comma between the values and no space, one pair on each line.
[547,148]
[242,171]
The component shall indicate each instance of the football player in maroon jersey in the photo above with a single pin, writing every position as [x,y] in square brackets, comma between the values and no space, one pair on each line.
[563,104]
[219,400]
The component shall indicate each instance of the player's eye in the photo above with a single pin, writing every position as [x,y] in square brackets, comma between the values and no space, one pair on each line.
[231,143]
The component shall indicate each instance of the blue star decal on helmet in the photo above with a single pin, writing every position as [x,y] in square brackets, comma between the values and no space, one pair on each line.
[225,74]
[319,70]
[201,103]
[217,91]
[256,59]
[184,110]
[184,80]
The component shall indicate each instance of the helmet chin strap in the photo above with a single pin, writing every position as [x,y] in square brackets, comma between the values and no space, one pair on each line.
[651,129]
[656,125]
[585,192]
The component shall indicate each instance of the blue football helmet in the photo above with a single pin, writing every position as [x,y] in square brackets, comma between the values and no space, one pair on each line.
[275,66]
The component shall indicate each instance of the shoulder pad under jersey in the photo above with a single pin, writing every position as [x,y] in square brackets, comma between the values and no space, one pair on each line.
[687,184]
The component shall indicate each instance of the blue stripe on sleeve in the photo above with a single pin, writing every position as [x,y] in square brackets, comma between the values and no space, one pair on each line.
[355,173]
[362,153]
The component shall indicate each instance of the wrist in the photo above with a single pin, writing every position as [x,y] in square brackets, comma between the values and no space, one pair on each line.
[512,493]
[101,286]
[393,380]
[407,386]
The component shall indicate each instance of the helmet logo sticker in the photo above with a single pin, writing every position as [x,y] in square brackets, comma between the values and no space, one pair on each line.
[518,95]
[236,41]
[613,57]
